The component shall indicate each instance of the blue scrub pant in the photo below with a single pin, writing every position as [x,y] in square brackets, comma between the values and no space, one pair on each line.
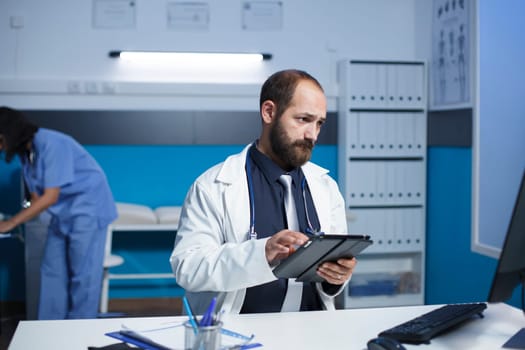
[71,270]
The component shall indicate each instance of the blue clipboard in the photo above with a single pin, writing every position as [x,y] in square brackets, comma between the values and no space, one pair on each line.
[137,339]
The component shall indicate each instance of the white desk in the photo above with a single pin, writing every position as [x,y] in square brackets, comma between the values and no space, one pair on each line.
[342,329]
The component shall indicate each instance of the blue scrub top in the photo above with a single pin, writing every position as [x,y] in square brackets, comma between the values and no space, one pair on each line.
[60,161]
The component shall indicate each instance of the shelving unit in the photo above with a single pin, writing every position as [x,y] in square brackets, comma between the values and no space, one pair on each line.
[382,175]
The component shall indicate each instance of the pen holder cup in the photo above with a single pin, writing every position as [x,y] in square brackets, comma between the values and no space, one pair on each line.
[207,338]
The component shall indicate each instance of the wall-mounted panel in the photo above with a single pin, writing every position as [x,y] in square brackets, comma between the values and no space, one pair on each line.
[163,127]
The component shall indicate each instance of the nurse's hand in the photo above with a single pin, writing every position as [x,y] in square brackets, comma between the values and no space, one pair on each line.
[282,244]
[6,226]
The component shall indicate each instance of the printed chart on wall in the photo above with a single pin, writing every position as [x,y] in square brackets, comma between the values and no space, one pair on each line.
[451,65]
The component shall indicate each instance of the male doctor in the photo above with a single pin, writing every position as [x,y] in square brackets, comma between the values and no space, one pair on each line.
[233,229]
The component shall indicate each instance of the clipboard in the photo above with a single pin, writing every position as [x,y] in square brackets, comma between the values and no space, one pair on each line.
[302,264]
[134,338]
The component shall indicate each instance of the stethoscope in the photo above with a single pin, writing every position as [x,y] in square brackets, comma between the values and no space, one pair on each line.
[252,234]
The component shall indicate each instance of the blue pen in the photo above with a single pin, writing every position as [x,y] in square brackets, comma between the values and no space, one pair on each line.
[207,318]
[190,314]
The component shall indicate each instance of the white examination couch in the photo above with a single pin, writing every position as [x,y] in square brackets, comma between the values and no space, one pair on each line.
[135,217]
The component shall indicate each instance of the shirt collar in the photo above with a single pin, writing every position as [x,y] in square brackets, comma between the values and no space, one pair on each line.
[272,171]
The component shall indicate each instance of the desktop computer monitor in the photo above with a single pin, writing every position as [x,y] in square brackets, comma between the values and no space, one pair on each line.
[510,272]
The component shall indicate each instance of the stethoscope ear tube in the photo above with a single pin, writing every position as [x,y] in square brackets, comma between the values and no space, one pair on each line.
[252,234]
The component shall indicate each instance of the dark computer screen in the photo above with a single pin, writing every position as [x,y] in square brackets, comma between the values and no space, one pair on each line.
[511,265]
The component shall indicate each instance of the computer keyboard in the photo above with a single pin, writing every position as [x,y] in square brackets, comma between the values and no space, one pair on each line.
[425,327]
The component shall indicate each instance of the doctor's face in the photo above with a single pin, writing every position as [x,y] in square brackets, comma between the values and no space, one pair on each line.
[294,133]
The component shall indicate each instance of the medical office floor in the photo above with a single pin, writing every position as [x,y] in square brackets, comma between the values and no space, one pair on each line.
[12,313]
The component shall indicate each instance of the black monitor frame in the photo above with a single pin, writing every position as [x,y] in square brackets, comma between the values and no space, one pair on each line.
[510,271]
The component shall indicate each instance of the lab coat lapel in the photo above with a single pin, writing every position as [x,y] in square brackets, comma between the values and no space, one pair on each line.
[236,197]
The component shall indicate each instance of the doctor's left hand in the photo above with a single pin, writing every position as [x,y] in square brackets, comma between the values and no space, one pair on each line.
[337,272]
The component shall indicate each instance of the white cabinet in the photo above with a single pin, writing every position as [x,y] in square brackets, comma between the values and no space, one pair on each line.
[382,175]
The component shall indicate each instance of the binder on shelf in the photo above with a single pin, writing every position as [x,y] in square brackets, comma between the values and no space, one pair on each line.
[397,131]
[369,85]
[392,83]
[409,217]
[412,87]
[388,191]
[412,123]
[352,132]
[406,182]
[363,177]
[381,85]
[401,70]
[379,183]
[389,141]
[400,230]
[369,130]
[382,134]
[357,91]
[408,126]
[354,184]
[360,223]
[379,135]
[409,72]
[420,143]
[419,84]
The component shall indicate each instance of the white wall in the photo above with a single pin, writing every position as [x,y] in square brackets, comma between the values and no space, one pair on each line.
[58,60]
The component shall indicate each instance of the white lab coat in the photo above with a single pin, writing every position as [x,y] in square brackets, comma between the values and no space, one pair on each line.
[213,252]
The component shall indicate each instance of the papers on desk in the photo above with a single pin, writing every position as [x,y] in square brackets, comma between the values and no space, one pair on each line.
[170,336]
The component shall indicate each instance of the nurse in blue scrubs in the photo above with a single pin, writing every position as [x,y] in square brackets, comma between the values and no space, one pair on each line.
[67,182]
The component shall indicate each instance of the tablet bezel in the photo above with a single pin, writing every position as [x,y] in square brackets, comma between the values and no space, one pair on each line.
[303,263]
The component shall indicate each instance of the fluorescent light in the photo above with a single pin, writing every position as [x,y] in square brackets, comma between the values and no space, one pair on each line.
[190,57]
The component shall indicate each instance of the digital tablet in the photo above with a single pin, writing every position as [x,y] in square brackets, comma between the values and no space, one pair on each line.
[303,263]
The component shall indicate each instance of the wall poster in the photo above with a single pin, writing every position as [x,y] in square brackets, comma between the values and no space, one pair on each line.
[451,75]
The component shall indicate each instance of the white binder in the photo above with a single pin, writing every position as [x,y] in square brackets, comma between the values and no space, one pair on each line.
[392,86]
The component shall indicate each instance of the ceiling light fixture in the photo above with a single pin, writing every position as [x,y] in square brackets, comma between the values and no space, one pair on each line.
[190,57]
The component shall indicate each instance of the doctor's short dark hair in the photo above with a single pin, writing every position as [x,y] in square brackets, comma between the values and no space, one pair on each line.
[16,132]
[280,88]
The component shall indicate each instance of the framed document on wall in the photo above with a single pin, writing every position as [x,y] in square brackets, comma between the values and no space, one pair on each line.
[452,62]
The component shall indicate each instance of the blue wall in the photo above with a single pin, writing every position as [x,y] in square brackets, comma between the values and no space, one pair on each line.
[453,273]
[161,175]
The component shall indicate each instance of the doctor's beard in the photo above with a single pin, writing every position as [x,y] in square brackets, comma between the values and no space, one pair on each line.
[293,153]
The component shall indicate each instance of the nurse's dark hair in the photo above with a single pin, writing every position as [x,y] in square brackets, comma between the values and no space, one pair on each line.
[280,88]
[16,132]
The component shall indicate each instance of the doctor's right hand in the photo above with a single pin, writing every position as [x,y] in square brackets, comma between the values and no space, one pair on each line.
[282,244]
[6,226]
